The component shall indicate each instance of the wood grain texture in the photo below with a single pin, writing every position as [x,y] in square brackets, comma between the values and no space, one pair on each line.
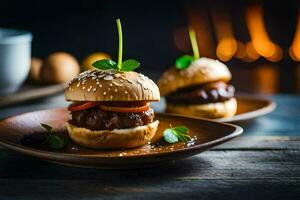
[261,143]
[209,165]
[214,174]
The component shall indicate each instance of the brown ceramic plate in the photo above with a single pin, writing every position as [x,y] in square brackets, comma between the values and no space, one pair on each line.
[206,134]
[250,107]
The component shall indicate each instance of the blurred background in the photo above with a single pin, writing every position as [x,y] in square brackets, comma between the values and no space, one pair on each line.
[258,40]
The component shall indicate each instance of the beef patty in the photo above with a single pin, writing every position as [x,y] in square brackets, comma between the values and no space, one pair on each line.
[96,119]
[202,94]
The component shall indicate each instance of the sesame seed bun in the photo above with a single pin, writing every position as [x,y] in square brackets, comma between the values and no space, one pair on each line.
[111,85]
[113,139]
[201,71]
[210,110]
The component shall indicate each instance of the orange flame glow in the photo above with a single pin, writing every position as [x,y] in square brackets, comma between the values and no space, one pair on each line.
[260,39]
[226,49]
[227,44]
[251,54]
[294,50]
[241,50]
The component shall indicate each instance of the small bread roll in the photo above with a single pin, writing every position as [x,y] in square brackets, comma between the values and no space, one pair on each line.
[35,68]
[59,67]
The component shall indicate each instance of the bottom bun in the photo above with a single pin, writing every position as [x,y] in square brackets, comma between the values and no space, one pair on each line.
[210,110]
[113,139]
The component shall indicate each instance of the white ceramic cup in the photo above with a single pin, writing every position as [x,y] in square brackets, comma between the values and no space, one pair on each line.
[15,57]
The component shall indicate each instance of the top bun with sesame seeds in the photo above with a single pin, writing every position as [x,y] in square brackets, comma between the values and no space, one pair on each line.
[111,85]
[201,71]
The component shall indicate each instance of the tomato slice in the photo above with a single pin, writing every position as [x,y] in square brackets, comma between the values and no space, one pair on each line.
[131,107]
[124,109]
[83,106]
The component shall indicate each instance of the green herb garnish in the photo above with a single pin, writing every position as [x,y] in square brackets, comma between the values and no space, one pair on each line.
[175,134]
[53,141]
[127,65]
[105,64]
[185,61]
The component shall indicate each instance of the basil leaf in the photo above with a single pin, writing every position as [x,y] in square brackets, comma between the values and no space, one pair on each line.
[169,136]
[55,142]
[184,62]
[175,134]
[46,127]
[105,64]
[129,65]
[181,129]
[180,136]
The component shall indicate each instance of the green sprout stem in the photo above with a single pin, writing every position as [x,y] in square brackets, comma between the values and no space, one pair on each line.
[194,44]
[120,43]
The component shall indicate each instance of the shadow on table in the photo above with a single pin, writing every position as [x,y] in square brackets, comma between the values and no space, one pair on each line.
[22,167]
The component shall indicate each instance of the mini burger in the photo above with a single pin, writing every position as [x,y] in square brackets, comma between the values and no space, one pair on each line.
[111,110]
[200,90]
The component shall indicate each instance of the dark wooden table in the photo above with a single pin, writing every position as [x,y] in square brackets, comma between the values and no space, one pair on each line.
[264,163]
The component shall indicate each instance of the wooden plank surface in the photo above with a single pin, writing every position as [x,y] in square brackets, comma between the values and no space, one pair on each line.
[230,174]
[221,164]
[260,143]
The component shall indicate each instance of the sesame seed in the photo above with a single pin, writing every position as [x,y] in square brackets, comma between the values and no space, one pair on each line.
[111,85]
[111,97]
[83,88]
[116,90]
[104,93]
[126,92]
[108,78]
[94,90]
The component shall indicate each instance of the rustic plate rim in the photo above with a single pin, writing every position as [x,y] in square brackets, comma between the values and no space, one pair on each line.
[252,114]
